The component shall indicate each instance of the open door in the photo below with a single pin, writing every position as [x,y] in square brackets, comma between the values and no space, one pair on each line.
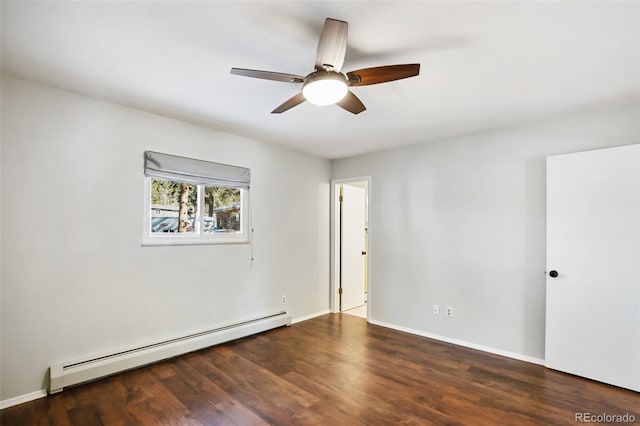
[352,247]
[593,258]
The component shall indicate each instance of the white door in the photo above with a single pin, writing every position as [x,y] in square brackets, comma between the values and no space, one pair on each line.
[593,265]
[352,246]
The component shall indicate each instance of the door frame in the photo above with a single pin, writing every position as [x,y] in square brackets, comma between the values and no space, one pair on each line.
[335,241]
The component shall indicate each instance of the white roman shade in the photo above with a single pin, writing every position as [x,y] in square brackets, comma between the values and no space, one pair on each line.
[194,171]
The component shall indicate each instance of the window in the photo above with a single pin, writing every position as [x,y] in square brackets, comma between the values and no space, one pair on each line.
[189,201]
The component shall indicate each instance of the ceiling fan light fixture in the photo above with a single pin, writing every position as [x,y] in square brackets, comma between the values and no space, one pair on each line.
[325,87]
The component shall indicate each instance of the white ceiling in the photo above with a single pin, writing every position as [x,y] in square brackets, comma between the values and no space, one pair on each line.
[484,64]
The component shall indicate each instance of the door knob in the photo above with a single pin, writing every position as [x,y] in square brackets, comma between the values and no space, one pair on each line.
[364,252]
[553,273]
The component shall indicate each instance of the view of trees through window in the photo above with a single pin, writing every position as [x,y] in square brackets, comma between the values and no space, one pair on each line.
[175,205]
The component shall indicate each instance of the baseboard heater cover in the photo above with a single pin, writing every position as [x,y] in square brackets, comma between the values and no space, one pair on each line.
[73,373]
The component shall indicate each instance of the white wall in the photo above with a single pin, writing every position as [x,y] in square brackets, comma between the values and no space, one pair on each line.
[75,279]
[461,223]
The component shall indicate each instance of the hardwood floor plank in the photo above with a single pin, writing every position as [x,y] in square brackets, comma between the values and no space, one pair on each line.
[272,398]
[239,414]
[112,401]
[158,401]
[331,370]
[57,412]
[192,390]
[85,414]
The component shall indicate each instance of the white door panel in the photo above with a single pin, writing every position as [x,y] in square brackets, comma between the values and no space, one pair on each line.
[352,246]
[593,242]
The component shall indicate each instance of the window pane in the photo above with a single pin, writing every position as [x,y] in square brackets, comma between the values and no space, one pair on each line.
[221,210]
[173,206]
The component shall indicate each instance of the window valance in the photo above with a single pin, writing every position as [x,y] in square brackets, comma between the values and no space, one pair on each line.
[195,171]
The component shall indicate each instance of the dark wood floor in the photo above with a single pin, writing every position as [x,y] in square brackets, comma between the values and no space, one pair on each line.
[331,370]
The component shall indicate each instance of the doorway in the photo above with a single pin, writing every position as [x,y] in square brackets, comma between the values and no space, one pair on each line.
[350,283]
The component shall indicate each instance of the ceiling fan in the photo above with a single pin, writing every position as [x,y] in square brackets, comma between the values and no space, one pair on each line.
[327,85]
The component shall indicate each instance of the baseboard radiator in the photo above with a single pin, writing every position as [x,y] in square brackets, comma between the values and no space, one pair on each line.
[73,373]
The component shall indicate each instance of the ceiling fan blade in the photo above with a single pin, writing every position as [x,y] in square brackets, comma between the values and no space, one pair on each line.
[268,75]
[376,75]
[289,103]
[332,46]
[352,103]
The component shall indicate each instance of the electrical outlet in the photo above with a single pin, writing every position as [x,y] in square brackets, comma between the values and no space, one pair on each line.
[449,311]
[436,309]
[284,300]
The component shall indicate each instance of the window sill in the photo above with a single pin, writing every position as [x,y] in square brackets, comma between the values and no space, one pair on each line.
[190,241]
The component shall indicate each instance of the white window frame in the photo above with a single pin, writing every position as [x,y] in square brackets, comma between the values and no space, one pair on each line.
[201,174]
[197,237]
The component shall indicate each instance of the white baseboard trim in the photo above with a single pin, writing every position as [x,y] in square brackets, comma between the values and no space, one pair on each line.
[308,317]
[463,343]
[22,399]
